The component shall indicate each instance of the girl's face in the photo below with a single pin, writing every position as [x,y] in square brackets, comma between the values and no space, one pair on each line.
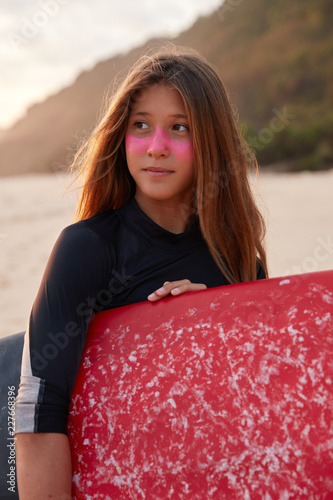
[159,147]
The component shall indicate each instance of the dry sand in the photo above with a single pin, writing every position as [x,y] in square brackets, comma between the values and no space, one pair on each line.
[298,209]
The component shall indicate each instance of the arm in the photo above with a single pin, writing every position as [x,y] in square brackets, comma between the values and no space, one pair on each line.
[53,346]
[43,466]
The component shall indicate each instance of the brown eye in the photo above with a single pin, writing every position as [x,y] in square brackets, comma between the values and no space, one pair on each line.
[179,127]
[141,125]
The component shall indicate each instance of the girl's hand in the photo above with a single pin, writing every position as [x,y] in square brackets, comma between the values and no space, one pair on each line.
[175,288]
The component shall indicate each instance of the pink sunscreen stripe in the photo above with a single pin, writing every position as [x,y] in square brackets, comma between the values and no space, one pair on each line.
[182,149]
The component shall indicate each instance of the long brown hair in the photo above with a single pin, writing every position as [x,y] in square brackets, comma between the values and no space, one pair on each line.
[230,222]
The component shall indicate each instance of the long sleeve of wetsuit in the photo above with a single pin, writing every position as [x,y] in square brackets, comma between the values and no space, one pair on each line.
[77,269]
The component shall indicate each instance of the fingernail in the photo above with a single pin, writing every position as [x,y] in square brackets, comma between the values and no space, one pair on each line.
[151,296]
[175,290]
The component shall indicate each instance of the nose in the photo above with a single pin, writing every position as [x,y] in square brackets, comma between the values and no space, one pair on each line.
[159,144]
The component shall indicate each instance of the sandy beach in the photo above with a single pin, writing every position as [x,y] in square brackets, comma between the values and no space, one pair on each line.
[33,210]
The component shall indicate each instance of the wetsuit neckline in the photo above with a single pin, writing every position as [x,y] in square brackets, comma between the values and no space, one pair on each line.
[137,221]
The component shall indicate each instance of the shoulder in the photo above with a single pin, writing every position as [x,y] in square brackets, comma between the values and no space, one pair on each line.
[84,246]
[88,233]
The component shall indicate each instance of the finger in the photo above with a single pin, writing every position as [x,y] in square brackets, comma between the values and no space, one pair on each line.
[170,285]
[176,288]
[166,289]
[192,287]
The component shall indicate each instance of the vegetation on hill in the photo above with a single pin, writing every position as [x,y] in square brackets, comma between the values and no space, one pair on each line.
[275,59]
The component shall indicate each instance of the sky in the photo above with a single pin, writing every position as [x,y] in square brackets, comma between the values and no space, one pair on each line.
[45,44]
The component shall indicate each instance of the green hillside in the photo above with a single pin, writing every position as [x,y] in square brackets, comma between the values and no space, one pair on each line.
[275,59]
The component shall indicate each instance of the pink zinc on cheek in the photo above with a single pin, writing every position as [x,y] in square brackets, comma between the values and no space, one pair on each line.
[136,145]
[183,150]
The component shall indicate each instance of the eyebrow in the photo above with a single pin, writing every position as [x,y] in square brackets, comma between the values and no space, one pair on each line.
[145,113]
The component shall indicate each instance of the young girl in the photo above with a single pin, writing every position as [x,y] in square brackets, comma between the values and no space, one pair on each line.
[166,208]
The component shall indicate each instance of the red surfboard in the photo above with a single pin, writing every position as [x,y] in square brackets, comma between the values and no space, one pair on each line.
[222,393]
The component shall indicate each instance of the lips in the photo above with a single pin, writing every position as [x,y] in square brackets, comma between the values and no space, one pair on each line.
[157,171]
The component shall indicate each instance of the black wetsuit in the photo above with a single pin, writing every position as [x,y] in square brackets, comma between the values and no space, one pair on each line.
[110,260]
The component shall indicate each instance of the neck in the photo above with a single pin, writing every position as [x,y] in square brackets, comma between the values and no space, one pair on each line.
[173,217]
